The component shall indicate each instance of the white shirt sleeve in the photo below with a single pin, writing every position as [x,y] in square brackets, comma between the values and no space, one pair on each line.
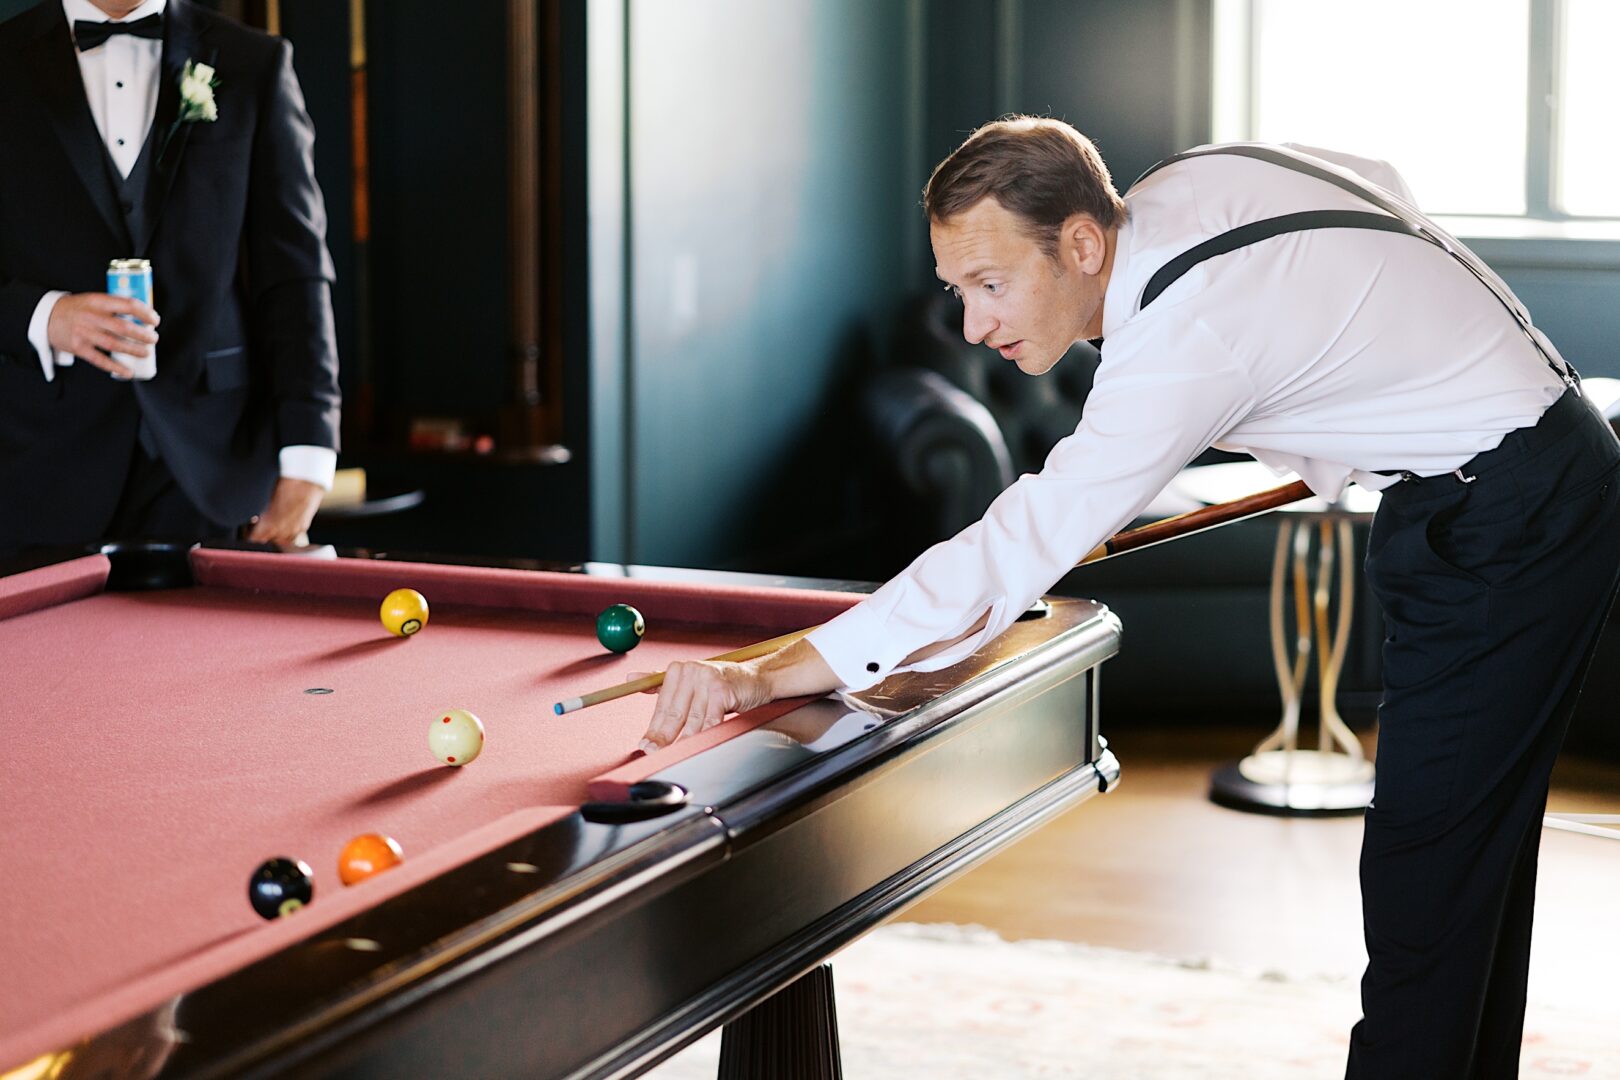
[39,335]
[317,464]
[1166,389]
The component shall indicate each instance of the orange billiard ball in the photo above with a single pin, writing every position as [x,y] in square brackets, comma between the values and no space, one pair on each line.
[366,855]
[404,612]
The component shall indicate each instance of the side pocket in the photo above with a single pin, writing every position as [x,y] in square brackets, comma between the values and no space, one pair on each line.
[225,369]
[1437,536]
[1478,539]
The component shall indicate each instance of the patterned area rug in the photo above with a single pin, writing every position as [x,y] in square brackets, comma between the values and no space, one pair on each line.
[958,1003]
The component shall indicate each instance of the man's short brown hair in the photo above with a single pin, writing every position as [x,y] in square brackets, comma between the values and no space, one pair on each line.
[1041,169]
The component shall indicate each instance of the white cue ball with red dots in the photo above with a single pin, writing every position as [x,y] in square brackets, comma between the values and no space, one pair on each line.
[456,736]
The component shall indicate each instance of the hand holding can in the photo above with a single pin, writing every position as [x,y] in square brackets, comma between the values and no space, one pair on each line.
[132,279]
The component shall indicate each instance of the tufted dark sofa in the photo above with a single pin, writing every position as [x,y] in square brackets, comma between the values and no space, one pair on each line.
[955,424]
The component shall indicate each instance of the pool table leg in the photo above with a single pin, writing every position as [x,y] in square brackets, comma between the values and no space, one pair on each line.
[791,1035]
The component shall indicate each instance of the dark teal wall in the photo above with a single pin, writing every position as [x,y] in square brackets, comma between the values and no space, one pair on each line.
[769,196]
[1577,307]
[772,157]
[1133,77]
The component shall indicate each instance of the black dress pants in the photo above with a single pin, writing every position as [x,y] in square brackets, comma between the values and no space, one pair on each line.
[1494,592]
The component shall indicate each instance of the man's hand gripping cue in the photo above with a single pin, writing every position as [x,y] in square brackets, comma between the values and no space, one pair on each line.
[698,694]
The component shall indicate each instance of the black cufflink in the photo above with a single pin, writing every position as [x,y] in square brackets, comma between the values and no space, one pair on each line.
[872,667]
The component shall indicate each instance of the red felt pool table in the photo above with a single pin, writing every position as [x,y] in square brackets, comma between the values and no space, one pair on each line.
[175,718]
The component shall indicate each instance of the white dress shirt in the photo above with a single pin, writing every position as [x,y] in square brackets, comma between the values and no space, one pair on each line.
[1334,353]
[121,85]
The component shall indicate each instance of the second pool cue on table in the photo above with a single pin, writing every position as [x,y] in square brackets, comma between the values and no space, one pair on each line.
[1171,528]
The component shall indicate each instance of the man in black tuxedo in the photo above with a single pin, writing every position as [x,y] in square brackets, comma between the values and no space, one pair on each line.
[105,156]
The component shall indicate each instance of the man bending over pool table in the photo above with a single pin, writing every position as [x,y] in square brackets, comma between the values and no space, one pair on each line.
[1294,304]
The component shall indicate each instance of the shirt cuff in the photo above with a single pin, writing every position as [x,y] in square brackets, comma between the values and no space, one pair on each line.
[852,645]
[317,464]
[862,650]
[39,334]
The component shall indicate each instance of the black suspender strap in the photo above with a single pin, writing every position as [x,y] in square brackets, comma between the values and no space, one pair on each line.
[1401,218]
[1256,231]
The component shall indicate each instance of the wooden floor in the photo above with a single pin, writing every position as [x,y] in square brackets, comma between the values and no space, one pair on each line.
[1153,866]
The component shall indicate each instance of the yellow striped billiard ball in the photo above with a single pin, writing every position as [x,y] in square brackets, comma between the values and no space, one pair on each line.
[404,612]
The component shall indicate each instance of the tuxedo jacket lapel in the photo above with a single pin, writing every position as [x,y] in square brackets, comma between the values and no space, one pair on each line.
[61,90]
[182,41]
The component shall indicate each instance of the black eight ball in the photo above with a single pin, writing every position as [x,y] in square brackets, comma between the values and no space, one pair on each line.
[280,887]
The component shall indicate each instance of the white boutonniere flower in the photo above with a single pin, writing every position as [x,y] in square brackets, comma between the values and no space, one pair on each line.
[197,84]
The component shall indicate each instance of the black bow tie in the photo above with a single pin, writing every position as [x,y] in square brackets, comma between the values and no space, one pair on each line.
[87,35]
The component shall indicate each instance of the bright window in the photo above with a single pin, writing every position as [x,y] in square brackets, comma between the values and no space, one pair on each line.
[1441,89]
[1588,176]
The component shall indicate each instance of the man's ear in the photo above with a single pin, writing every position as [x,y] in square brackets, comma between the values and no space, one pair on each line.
[1083,245]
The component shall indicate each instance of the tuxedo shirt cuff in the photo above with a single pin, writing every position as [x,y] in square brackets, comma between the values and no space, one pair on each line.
[39,335]
[852,644]
[862,651]
[317,464]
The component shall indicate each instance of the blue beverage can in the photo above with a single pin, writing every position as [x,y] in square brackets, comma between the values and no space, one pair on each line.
[132,279]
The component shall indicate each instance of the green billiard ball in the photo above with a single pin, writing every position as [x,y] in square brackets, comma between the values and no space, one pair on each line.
[619,628]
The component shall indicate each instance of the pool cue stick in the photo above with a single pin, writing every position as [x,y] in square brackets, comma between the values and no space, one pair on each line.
[1196,521]
[1170,528]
